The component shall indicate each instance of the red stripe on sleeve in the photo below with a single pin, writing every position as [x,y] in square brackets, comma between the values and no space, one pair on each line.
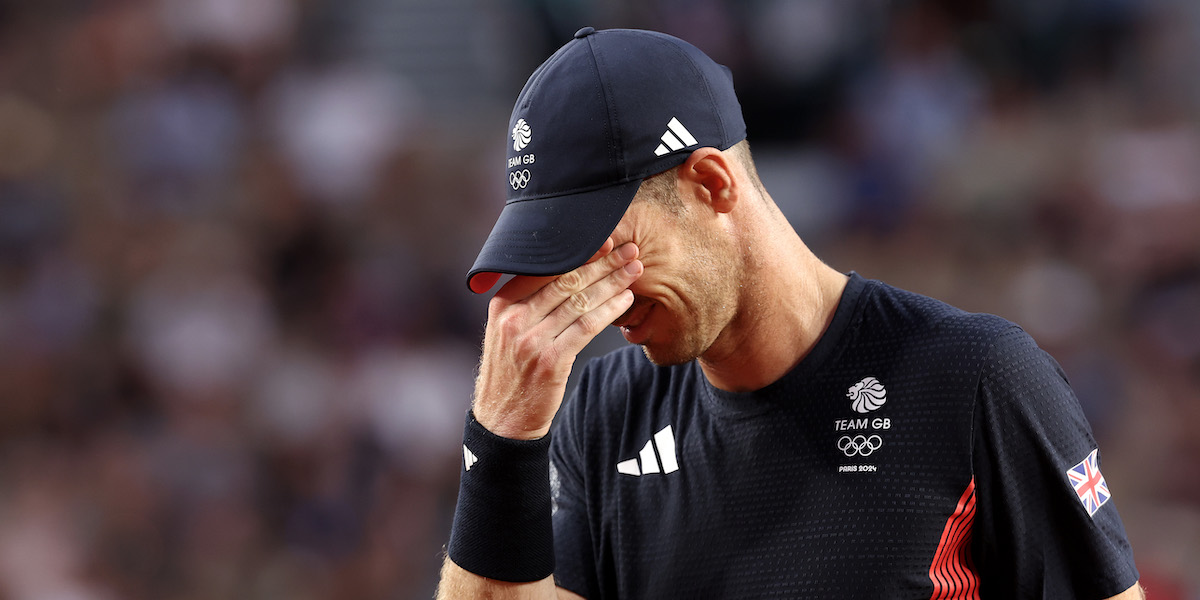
[952,572]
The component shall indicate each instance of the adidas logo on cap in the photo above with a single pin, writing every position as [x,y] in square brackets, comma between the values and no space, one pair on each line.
[677,137]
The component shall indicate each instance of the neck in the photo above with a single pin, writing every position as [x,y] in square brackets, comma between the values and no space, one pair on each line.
[789,301]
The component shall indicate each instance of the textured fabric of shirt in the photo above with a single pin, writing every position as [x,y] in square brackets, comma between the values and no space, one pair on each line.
[918,451]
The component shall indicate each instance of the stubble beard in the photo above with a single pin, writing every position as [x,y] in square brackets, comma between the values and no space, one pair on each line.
[687,345]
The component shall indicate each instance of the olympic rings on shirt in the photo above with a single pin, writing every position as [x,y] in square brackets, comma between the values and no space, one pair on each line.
[859,445]
[519,179]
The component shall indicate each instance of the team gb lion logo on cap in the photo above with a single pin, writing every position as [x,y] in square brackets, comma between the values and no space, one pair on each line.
[521,135]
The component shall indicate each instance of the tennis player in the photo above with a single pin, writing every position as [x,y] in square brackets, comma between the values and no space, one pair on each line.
[778,429]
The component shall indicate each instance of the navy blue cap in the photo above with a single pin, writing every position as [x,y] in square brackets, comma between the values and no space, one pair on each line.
[604,112]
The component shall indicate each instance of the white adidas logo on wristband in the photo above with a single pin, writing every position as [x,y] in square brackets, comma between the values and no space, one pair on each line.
[469,458]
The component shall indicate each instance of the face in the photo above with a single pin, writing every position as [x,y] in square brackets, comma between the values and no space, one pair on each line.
[688,293]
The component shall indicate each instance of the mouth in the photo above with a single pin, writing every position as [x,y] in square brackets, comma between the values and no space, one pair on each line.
[635,315]
[631,323]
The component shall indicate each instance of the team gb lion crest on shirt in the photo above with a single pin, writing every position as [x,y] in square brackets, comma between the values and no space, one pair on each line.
[867,395]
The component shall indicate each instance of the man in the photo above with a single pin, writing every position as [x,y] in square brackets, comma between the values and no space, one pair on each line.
[786,430]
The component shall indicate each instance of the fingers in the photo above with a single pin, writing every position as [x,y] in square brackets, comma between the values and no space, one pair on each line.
[537,326]
[575,287]
[588,325]
[580,302]
[583,314]
[605,249]
[522,286]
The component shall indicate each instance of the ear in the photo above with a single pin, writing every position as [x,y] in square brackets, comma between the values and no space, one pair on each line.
[708,175]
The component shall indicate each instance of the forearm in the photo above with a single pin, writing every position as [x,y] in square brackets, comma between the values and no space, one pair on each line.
[536,327]
[458,583]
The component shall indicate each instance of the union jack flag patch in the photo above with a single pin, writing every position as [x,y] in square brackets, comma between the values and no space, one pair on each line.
[1089,484]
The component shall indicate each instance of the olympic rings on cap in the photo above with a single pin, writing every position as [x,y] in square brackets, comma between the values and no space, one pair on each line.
[519,179]
[859,445]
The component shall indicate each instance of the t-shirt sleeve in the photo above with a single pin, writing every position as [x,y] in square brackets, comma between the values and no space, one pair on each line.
[1035,536]
[575,565]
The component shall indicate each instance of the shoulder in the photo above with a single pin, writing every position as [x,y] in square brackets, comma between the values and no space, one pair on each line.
[1019,372]
[920,319]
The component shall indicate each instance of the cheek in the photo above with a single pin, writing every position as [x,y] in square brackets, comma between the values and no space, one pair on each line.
[663,287]
[645,287]
[666,263]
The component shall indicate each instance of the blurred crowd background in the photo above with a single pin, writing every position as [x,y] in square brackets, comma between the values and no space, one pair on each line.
[235,339]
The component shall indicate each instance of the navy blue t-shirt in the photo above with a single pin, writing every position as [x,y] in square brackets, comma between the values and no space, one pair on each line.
[918,451]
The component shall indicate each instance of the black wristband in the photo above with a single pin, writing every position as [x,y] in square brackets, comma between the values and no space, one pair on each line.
[502,528]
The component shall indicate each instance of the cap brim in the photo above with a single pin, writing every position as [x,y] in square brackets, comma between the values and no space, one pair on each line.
[549,236]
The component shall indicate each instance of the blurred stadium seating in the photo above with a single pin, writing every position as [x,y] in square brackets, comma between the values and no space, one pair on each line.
[235,339]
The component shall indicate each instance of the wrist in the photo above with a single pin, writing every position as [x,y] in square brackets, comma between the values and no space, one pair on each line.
[502,524]
[510,428]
